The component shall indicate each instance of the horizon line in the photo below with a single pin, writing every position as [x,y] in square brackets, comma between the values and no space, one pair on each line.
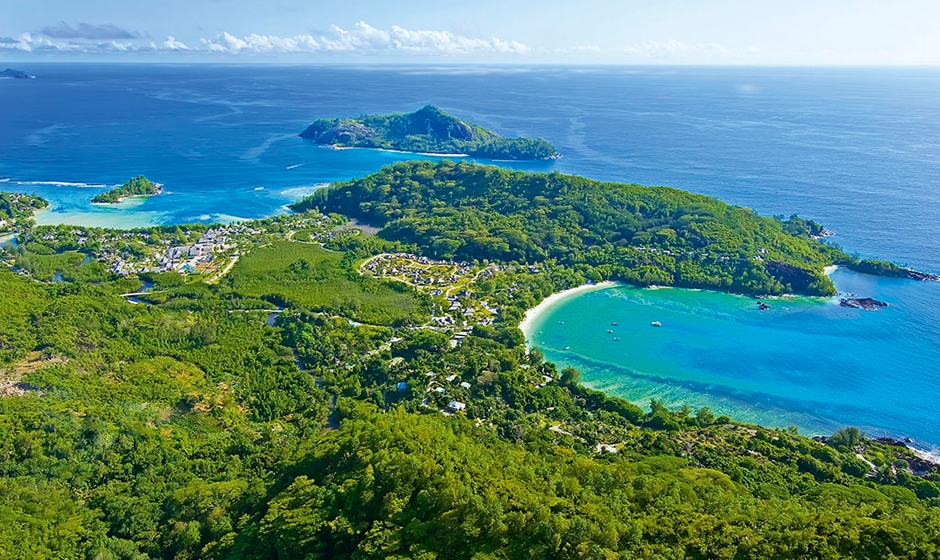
[479,63]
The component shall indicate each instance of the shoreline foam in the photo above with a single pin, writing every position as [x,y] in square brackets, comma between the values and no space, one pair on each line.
[534,313]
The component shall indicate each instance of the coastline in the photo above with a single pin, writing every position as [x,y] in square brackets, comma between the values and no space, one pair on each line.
[432,154]
[392,151]
[532,314]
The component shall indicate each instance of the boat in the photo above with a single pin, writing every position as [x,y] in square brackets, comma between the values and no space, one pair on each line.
[656,324]
[566,348]
[616,338]
[614,324]
[610,331]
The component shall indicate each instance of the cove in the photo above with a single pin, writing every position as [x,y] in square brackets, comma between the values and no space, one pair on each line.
[805,362]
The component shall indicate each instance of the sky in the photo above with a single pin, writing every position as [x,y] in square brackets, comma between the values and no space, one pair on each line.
[715,32]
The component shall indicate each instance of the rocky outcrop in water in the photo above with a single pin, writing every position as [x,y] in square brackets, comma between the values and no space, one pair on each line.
[868,304]
[923,276]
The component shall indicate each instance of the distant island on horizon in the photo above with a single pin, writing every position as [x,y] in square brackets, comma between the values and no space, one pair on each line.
[132,188]
[427,130]
[18,74]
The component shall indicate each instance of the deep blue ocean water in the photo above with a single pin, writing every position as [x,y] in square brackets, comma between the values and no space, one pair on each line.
[856,149]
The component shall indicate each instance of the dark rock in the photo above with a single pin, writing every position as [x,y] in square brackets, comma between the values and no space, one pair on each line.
[799,279]
[868,304]
[922,276]
[890,441]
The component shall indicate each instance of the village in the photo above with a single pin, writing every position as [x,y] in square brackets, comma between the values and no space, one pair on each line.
[189,250]
[449,280]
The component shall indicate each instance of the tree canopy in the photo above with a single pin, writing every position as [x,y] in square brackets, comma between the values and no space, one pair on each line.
[135,186]
[640,235]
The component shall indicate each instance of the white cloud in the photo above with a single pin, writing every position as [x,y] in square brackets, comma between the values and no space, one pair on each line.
[27,42]
[361,39]
[227,42]
[172,44]
[365,39]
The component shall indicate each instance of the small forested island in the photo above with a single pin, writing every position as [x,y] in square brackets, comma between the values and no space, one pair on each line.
[302,387]
[427,130]
[134,187]
[18,74]
[16,210]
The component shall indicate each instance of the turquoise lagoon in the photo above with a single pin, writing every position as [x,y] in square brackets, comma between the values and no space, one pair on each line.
[805,362]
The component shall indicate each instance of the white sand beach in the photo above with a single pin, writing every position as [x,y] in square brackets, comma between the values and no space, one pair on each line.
[532,314]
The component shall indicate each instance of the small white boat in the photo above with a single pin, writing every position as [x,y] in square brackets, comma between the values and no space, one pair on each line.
[566,347]
[656,324]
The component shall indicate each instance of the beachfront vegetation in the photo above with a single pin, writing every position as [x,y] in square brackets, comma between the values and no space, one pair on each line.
[16,210]
[135,186]
[639,235]
[427,130]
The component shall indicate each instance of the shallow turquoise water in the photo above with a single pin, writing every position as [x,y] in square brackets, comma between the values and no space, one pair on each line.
[806,361]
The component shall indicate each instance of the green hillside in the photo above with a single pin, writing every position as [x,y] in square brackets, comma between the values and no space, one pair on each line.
[641,235]
[427,130]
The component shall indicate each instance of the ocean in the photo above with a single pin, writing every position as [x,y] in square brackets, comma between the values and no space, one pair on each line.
[855,149]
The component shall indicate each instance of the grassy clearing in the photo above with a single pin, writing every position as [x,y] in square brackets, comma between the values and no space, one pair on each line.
[304,275]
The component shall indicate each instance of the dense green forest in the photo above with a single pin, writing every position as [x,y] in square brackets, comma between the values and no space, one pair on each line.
[299,409]
[136,186]
[427,130]
[640,235]
[193,429]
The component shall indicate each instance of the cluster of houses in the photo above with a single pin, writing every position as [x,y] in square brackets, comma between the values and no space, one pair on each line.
[417,270]
[186,258]
[441,277]
[453,405]
[16,207]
